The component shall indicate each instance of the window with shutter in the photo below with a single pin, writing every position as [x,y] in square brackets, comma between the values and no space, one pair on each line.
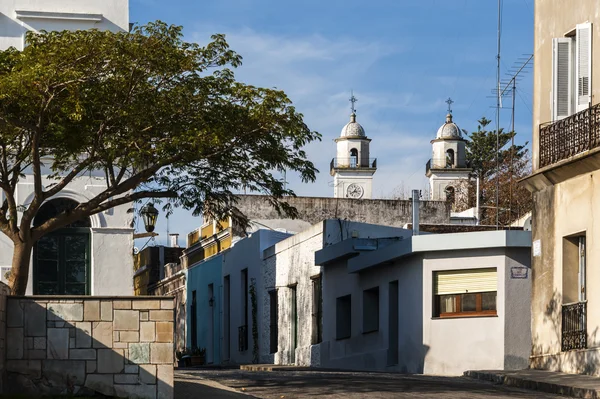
[562,73]
[583,74]
[465,293]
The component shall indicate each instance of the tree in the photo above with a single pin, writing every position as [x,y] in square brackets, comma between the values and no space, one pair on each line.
[163,118]
[513,199]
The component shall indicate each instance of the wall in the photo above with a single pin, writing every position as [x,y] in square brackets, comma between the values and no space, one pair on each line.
[174,285]
[290,263]
[115,17]
[111,238]
[315,209]
[119,347]
[199,276]
[246,253]
[475,343]
[551,223]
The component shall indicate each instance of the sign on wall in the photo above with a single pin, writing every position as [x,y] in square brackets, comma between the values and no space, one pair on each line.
[518,272]
[5,273]
[537,248]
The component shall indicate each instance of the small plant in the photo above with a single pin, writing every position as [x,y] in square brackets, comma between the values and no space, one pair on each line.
[198,351]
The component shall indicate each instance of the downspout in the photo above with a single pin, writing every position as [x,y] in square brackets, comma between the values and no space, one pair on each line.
[415,212]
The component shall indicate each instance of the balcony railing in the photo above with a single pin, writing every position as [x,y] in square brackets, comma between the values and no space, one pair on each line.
[569,136]
[243,338]
[354,162]
[443,163]
[574,326]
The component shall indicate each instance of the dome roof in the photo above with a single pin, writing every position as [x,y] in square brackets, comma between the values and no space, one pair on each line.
[449,130]
[353,128]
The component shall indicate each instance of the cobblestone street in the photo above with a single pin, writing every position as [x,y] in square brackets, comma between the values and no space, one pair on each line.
[230,384]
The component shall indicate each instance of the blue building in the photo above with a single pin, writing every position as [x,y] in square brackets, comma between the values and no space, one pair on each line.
[204,285]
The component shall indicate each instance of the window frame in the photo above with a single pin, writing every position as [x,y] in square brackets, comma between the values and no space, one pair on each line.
[437,314]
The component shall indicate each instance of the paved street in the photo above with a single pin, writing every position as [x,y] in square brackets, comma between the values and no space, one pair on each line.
[233,384]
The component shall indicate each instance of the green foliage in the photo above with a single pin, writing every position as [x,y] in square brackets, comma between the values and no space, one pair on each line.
[163,118]
[513,164]
[254,302]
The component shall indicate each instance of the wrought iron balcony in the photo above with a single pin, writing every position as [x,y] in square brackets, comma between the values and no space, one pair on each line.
[443,163]
[243,338]
[574,326]
[354,162]
[570,136]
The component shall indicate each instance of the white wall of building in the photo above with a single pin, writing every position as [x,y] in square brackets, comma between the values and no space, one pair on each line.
[111,237]
[291,263]
[19,16]
[427,344]
[246,253]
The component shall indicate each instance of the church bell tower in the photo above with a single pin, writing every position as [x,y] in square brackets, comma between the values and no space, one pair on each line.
[447,170]
[352,168]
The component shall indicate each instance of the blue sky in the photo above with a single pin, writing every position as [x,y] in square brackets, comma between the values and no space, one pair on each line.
[402,58]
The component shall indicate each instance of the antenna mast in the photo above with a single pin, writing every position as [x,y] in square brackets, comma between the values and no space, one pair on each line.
[498,105]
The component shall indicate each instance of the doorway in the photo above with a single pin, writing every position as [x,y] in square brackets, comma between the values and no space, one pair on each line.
[393,324]
[210,350]
[61,259]
[294,317]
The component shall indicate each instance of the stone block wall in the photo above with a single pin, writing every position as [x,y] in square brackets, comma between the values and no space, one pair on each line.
[119,347]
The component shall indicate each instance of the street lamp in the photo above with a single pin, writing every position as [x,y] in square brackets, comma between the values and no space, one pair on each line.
[149,215]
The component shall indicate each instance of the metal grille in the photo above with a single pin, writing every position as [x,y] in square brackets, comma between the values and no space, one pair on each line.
[574,326]
[353,162]
[570,136]
[243,338]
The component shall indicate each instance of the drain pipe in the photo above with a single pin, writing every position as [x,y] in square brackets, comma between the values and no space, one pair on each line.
[415,212]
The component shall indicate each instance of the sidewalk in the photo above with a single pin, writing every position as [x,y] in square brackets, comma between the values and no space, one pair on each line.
[574,385]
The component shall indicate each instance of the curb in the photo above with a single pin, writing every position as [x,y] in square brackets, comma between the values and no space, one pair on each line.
[548,387]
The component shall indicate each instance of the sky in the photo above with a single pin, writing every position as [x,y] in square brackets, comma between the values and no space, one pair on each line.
[401,58]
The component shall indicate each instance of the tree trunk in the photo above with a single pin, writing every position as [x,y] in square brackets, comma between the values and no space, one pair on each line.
[20,268]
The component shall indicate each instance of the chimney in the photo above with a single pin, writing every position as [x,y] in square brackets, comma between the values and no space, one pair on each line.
[174,240]
[415,212]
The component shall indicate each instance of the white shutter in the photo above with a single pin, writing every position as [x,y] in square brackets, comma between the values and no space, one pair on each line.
[465,281]
[561,79]
[583,74]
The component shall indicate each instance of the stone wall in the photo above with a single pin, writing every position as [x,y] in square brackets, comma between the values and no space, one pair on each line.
[90,345]
[174,285]
[394,213]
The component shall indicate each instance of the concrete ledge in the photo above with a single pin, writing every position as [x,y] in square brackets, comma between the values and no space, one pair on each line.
[273,367]
[573,385]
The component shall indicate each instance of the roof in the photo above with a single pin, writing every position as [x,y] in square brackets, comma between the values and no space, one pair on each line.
[353,128]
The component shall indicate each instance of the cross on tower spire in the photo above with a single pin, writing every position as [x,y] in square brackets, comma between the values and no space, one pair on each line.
[353,100]
[449,102]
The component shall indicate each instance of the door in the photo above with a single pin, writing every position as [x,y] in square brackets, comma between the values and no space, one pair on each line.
[193,321]
[393,324]
[210,350]
[62,263]
[226,317]
[294,317]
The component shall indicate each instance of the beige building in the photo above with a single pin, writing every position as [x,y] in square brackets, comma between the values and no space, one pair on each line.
[564,183]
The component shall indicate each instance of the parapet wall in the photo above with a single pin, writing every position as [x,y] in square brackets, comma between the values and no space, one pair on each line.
[394,213]
[119,346]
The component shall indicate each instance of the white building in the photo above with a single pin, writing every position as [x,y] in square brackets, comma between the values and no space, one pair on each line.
[434,304]
[352,168]
[292,317]
[92,256]
[447,170]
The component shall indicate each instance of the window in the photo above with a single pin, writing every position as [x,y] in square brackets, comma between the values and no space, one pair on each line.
[243,329]
[572,72]
[353,158]
[574,269]
[371,310]
[343,317]
[317,313]
[274,317]
[450,158]
[464,293]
